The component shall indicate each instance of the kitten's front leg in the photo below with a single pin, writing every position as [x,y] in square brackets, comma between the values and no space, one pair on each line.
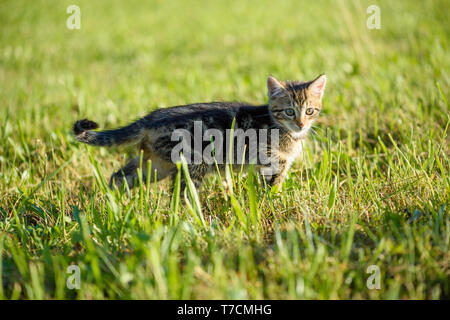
[275,174]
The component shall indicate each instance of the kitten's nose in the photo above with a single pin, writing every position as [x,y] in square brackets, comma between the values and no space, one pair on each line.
[300,125]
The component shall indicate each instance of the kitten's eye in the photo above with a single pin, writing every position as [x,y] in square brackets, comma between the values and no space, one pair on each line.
[289,112]
[309,111]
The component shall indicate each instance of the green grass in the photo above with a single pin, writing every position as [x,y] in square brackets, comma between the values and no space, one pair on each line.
[372,187]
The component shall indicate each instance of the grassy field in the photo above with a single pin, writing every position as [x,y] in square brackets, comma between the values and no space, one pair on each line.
[371,189]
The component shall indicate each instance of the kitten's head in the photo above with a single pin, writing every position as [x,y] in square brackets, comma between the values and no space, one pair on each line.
[295,105]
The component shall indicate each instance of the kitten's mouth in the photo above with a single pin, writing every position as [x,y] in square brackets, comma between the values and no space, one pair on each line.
[300,133]
[296,129]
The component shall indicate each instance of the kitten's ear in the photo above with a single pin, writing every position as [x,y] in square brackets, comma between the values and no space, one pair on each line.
[274,86]
[317,86]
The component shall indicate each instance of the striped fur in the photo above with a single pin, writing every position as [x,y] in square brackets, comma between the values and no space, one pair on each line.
[153,132]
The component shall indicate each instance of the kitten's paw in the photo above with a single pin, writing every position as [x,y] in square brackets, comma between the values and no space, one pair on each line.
[117,180]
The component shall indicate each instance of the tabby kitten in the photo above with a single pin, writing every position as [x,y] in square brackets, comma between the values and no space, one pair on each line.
[293,107]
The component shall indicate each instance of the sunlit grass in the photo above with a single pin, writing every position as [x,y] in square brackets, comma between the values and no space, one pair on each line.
[371,188]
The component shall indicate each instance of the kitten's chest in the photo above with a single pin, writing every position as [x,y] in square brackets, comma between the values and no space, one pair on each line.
[291,150]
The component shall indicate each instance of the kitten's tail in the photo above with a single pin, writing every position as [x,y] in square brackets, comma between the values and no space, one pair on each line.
[128,134]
